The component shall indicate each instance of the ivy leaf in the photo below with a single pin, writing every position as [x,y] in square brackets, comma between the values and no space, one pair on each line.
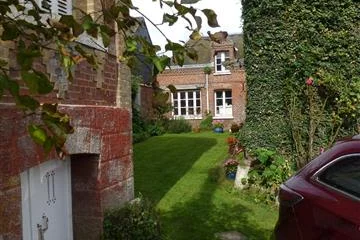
[38,134]
[37,82]
[171,19]
[10,31]
[189,1]
[211,17]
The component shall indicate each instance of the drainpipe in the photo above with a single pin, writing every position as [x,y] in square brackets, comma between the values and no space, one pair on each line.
[207,92]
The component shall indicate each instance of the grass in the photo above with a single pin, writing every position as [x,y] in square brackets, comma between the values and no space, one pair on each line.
[182,174]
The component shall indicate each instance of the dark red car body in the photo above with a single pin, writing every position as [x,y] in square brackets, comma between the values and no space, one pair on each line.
[312,203]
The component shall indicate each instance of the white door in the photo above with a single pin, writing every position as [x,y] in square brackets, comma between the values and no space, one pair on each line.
[46,201]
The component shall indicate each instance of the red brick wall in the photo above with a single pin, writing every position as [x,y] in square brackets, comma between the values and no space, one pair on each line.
[102,129]
[105,131]
[234,81]
[146,95]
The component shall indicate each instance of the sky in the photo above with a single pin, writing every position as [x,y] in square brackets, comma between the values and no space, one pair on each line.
[228,16]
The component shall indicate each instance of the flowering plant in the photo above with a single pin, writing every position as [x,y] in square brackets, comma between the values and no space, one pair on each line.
[218,123]
[231,165]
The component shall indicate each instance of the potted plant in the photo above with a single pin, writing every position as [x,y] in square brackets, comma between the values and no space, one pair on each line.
[218,126]
[231,166]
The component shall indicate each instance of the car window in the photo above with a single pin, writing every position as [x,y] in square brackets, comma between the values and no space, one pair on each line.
[344,175]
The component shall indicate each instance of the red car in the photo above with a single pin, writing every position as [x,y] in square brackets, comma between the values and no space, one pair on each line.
[322,201]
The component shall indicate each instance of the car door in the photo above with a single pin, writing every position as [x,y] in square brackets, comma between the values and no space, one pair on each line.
[339,218]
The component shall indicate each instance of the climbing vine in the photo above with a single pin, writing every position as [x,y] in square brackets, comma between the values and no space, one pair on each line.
[302,65]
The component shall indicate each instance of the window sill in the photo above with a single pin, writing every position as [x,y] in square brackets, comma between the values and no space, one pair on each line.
[222,73]
[223,117]
[188,117]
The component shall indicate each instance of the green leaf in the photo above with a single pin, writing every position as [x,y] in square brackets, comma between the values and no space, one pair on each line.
[189,1]
[87,22]
[131,45]
[161,62]
[179,58]
[69,21]
[38,134]
[182,10]
[27,102]
[195,35]
[211,17]
[37,82]
[48,144]
[10,31]
[105,39]
[12,86]
[169,3]
[192,53]
[171,19]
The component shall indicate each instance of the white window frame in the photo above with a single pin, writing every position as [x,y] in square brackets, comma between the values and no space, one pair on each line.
[225,111]
[57,7]
[220,58]
[187,100]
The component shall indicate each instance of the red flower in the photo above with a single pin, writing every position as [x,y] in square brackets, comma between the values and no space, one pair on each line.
[309,81]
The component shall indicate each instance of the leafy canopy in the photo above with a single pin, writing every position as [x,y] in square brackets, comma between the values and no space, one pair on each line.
[33,30]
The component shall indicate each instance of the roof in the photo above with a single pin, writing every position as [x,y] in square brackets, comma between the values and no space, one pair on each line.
[203,47]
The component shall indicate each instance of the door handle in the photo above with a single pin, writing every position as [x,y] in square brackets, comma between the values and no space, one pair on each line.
[42,227]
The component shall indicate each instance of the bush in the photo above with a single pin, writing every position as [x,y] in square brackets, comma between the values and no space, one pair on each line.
[235,127]
[178,126]
[156,128]
[136,221]
[206,124]
[269,170]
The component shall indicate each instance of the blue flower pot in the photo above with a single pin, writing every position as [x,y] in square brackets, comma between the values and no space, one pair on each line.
[231,175]
[218,130]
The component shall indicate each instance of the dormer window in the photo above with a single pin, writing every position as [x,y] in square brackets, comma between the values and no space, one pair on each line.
[220,58]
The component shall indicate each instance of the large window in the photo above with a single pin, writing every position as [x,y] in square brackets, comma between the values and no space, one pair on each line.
[187,104]
[344,176]
[223,103]
[220,58]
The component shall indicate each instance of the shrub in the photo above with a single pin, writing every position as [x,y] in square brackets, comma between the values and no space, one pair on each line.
[136,221]
[178,126]
[269,170]
[156,128]
[206,124]
[235,127]
[140,132]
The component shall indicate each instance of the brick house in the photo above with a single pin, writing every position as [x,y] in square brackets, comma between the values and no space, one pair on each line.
[221,93]
[44,196]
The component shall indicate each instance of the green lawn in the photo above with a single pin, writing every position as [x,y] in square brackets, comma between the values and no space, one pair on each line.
[180,173]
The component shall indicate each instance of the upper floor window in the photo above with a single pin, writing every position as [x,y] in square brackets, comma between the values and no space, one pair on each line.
[220,58]
[187,104]
[223,103]
[56,7]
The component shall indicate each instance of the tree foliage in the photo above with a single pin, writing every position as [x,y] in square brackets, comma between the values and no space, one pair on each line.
[302,69]
[34,30]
